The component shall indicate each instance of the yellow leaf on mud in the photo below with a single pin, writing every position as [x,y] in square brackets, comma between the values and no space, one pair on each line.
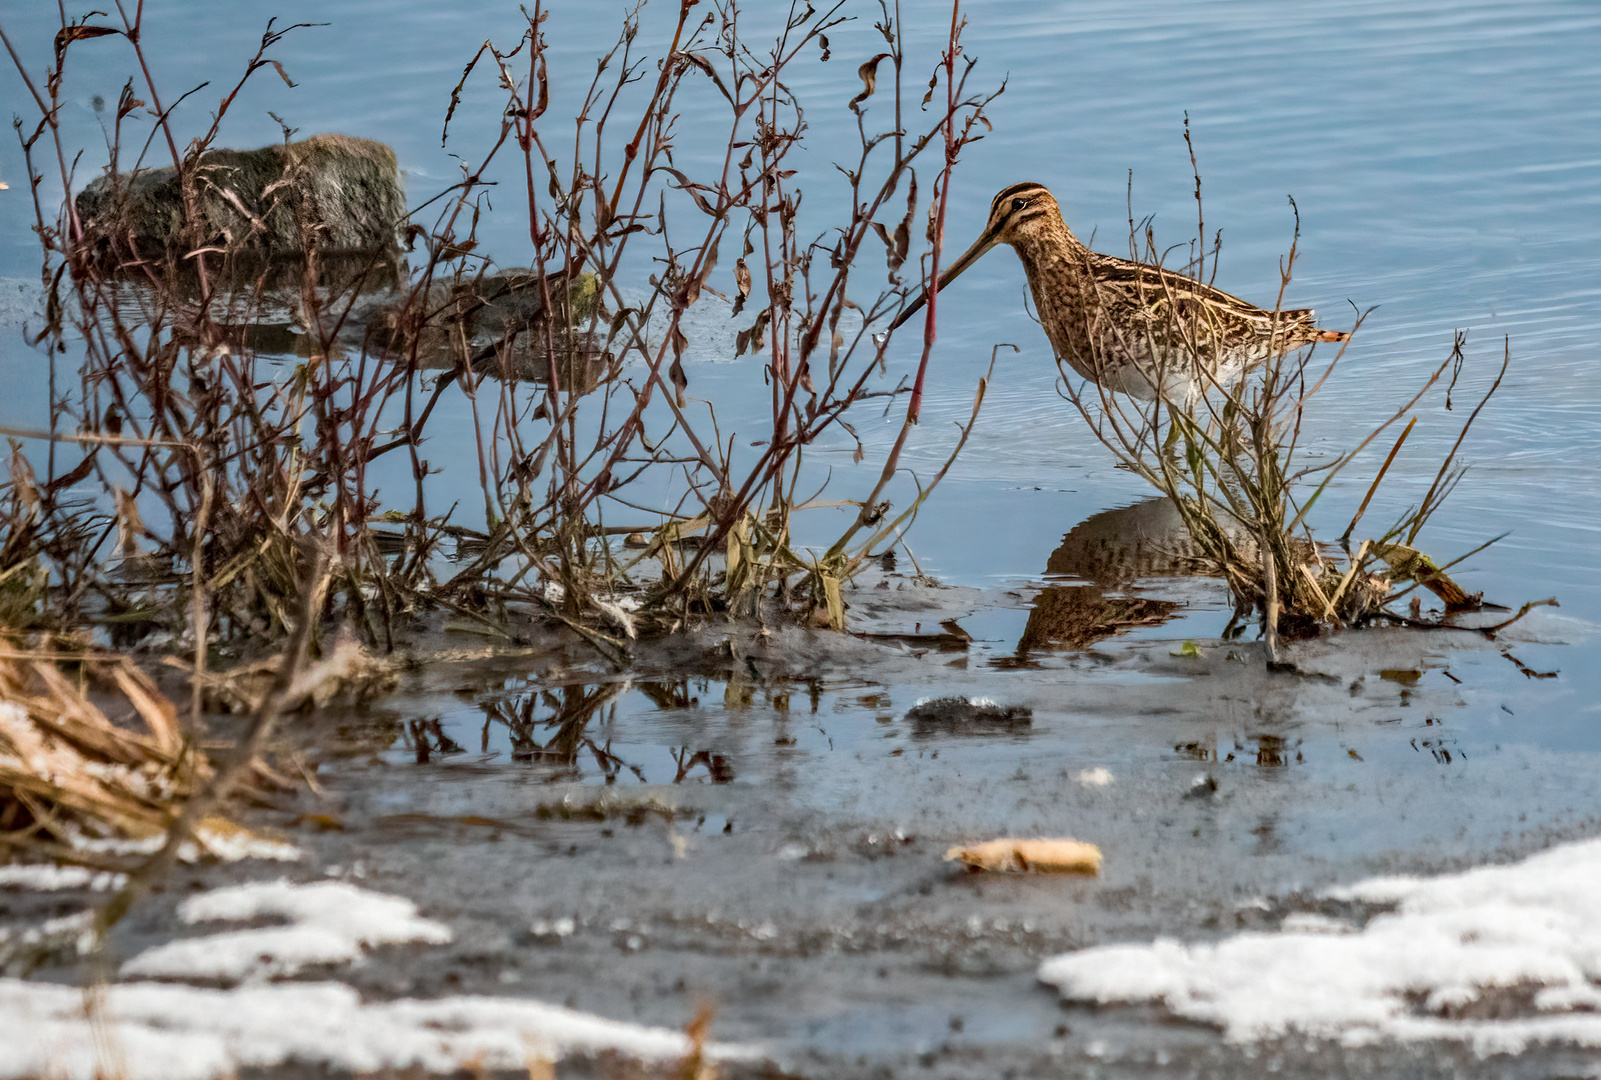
[1021,856]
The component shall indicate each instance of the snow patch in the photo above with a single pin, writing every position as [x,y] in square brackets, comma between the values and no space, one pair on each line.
[167,1031]
[229,845]
[48,877]
[1096,777]
[74,932]
[156,1031]
[1527,936]
[330,922]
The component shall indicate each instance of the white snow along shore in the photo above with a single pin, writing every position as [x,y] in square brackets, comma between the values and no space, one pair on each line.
[1527,934]
[167,1031]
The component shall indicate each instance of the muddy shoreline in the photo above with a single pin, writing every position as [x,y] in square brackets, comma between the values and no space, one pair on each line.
[753,823]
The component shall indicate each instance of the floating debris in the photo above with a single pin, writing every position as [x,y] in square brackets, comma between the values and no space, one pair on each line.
[1037,855]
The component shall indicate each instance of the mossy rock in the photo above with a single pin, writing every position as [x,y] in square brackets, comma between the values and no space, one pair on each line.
[333,194]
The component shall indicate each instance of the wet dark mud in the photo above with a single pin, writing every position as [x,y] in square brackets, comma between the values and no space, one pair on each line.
[755,820]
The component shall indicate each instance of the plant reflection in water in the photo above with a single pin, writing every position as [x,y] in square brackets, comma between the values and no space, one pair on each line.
[565,727]
[427,737]
[555,728]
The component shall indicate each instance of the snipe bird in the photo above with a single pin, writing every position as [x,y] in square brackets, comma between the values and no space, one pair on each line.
[1130,327]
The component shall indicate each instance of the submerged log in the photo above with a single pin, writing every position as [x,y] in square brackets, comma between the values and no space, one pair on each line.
[329,194]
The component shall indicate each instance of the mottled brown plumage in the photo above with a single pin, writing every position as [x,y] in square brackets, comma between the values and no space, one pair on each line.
[1132,328]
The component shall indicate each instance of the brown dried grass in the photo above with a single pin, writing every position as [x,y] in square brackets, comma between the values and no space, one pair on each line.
[94,764]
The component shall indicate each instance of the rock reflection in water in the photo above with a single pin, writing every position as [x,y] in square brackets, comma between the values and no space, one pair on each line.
[494,323]
[1110,550]
[255,303]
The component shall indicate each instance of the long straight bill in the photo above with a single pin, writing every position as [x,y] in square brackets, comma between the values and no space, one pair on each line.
[971,256]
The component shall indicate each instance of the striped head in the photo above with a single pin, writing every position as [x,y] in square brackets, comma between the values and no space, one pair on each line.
[1016,213]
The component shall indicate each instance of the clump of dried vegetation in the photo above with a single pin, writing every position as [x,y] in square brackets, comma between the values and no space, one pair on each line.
[95,765]
[67,772]
[245,376]
[1229,458]
[248,348]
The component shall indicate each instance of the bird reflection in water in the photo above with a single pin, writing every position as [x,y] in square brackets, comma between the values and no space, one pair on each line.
[1110,551]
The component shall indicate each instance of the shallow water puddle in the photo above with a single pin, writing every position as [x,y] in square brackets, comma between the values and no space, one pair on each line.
[1007,731]
[682,731]
[778,842]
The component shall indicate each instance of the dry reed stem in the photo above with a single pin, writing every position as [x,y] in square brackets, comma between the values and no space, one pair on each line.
[231,467]
[208,798]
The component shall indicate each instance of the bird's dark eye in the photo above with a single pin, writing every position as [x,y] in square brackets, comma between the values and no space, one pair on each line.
[1018,204]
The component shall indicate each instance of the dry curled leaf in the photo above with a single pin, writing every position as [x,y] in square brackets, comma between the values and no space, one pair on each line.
[903,244]
[692,189]
[68,34]
[752,339]
[742,291]
[693,287]
[126,102]
[1035,855]
[903,231]
[282,74]
[705,67]
[680,383]
[869,76]
[676,373]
